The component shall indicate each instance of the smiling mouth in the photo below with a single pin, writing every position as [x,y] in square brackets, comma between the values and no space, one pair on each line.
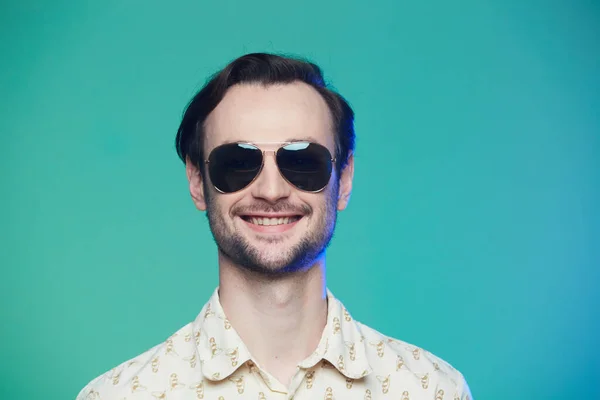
[264,221]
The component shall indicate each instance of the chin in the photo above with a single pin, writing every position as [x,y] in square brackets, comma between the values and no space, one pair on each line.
[277,261]
[273,260]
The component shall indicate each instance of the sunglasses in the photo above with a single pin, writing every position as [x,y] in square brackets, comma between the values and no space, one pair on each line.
[305,165]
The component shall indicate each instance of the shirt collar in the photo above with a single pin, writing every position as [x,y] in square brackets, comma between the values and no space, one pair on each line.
[220,348]
[342,343]
[222,351]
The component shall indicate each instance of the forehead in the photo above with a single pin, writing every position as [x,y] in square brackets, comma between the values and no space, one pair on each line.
[274,113]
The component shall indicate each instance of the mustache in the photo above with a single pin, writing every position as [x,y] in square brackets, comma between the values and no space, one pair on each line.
[280,207]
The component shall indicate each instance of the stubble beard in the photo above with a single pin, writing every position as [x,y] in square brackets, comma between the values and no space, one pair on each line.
[300,256]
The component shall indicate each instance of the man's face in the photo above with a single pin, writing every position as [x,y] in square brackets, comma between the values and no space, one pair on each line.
[272,114]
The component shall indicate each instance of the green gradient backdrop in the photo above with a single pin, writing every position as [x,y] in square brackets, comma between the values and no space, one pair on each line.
[472,232]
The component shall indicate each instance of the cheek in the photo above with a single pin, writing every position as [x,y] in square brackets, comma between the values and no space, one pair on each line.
[332,194]
[324,203]
[214,202]
[224,204]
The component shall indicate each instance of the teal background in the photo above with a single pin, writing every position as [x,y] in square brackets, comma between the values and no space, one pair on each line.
[474,223]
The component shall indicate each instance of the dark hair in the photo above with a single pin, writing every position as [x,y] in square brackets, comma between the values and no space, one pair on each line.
[265,69]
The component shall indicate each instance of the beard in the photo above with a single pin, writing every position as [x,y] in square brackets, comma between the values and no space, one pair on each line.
[279,261]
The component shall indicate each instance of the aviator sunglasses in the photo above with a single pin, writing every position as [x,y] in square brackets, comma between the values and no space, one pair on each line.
[305,165]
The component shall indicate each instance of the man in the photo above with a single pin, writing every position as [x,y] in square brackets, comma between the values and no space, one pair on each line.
[268,150]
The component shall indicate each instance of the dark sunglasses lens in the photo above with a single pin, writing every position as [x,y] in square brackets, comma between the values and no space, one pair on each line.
[234,166]
[305,165]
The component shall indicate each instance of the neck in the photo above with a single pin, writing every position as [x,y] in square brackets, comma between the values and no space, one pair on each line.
[280,320]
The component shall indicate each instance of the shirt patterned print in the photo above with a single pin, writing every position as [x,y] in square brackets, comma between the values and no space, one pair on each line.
[206,359]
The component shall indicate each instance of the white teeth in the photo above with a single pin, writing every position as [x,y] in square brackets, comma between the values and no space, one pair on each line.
[270,221]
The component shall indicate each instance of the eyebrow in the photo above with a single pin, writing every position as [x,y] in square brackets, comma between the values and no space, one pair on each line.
[289,140]
[303,139]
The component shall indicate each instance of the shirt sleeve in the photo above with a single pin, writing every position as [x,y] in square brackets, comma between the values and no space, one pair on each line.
[464,390]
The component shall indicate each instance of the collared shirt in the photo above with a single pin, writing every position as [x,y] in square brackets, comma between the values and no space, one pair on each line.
[206,359]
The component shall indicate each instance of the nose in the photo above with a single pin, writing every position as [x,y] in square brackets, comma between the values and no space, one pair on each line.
[270,185]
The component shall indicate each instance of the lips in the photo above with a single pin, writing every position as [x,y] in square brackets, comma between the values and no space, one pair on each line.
[270,223]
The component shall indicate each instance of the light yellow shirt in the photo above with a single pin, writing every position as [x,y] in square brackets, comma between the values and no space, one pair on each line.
[206,359]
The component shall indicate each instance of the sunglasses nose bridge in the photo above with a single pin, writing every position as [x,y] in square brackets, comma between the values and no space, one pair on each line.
[269,184]
[269,155]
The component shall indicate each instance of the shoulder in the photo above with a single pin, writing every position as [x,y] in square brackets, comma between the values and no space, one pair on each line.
[388,355]
[142,372]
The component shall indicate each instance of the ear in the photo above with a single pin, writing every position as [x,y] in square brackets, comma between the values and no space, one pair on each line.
[196,187]
[345,188]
